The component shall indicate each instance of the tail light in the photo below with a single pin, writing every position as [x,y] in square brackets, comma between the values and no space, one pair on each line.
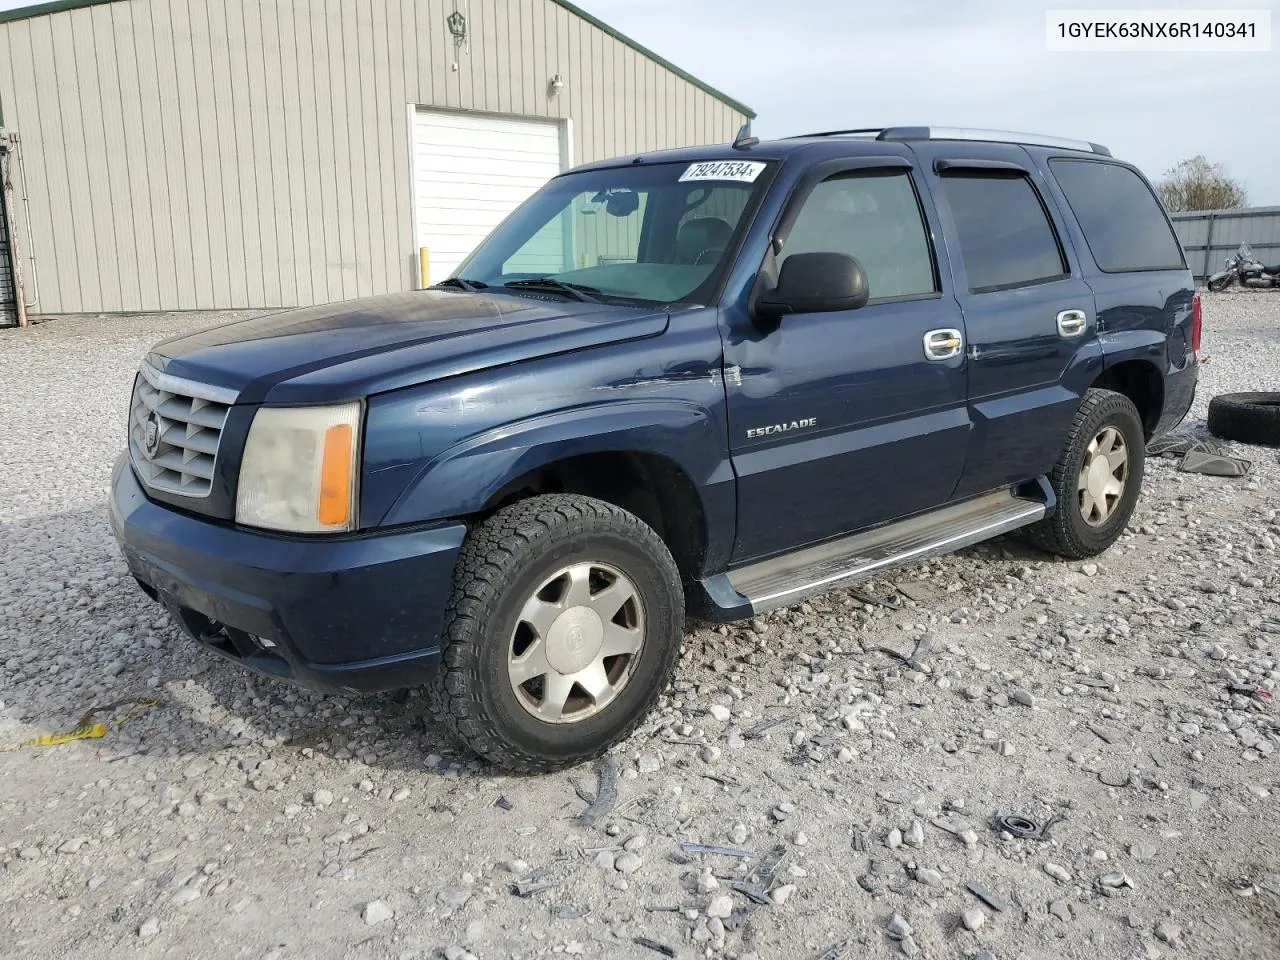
[1195,325]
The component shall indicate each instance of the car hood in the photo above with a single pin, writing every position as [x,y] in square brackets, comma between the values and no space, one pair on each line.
[347,350]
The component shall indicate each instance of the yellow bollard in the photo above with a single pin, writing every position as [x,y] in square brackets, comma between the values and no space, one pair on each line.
[424,267]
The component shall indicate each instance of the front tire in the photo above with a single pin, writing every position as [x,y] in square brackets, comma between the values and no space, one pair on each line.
[564,628]
[1217,286]
[1096,480]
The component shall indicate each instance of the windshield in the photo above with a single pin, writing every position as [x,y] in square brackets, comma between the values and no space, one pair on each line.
[1244,252]
[656,233]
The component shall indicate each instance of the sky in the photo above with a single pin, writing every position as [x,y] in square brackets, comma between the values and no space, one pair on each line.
[806,65]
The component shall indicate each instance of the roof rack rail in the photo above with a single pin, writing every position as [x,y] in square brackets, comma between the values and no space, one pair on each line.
[967,133]
[862,132]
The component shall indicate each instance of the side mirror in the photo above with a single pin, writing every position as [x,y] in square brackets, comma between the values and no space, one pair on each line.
[815,283]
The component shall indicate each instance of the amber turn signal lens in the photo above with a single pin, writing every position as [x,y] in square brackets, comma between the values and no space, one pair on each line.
[335,477]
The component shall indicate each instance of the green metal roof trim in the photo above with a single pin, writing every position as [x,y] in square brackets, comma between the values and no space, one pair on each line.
[39,9]
[57,6]
[660,61]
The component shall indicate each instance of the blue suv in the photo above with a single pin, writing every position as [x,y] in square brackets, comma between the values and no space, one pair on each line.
[702,382]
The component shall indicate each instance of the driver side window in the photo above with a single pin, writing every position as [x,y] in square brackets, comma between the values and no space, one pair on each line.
[875,218]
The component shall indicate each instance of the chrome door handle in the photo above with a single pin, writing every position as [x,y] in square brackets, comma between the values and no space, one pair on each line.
[943,344]
[1071,323]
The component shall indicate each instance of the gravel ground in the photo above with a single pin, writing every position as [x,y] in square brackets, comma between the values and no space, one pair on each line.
[241,818]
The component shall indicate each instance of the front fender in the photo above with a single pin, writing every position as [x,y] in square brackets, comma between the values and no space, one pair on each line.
[442,450]
[462,479]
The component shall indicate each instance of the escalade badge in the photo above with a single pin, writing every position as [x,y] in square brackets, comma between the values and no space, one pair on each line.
[773,428]
[151,436]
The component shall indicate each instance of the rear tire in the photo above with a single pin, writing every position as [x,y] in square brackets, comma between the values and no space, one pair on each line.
[1096,480]
[1246,417]
[540,672]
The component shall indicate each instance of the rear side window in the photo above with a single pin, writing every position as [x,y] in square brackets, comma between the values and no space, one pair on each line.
[1122,221]
[1006,238]
[874,218]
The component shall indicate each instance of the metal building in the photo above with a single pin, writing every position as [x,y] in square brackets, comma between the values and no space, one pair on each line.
[223,154]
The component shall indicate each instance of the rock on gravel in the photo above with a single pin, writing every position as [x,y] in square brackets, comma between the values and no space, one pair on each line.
[376,911]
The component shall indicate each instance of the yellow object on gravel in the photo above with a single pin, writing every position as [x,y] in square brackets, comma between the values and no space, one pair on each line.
[85,730]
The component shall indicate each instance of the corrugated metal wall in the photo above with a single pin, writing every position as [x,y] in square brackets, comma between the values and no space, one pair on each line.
[1210,236]
[211,154]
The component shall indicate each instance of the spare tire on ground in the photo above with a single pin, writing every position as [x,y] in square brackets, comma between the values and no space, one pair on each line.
[1246,417]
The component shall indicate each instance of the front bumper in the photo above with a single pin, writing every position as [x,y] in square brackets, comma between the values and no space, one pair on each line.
[354,614]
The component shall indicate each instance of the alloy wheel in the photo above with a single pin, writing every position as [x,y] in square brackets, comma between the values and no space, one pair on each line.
[1103,476]
[576,642]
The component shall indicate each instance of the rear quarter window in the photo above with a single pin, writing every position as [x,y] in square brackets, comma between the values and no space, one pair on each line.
[1121,218]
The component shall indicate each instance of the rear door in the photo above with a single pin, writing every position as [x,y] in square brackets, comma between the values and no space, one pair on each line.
[1028,312]
[1141,284]
[841,420]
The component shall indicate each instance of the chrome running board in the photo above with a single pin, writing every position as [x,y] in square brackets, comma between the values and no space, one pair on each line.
[781,581]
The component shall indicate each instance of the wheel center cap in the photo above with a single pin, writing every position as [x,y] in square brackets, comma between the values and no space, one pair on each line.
[1099,475]
[574,640]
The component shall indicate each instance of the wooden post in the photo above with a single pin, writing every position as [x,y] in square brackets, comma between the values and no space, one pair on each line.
[424,267]
[1208,247]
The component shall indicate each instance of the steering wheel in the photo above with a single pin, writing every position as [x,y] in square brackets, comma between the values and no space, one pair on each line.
[708,256]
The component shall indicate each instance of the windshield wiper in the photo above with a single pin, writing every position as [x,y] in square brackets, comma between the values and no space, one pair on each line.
[576,290]
[471,286]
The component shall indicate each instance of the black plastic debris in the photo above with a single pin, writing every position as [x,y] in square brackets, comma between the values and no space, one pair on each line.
[606,793]
[1199,455]
[753,893]
[993,900]
[530,885]
[1024,827]
[760,729]
[655,946]
[1106,736]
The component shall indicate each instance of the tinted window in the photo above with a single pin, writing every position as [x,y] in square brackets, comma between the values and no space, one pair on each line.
[1006,239]
[1120,216]
[874,218]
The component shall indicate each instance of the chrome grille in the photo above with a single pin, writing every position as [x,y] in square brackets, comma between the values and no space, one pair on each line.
[188,418]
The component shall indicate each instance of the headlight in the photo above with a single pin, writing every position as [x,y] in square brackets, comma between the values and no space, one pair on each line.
[299,469]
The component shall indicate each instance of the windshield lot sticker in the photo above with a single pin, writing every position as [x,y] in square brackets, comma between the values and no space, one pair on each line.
[745,171]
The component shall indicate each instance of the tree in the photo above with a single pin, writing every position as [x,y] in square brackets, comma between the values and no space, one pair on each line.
[1197,184]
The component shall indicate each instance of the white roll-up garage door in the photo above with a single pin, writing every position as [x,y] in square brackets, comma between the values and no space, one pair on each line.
[471,170]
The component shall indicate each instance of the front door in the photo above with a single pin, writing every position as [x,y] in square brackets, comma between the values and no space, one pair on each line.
[842,420]
[1029,314]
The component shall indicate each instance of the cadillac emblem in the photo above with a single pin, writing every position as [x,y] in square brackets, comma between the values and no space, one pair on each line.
[151,436]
